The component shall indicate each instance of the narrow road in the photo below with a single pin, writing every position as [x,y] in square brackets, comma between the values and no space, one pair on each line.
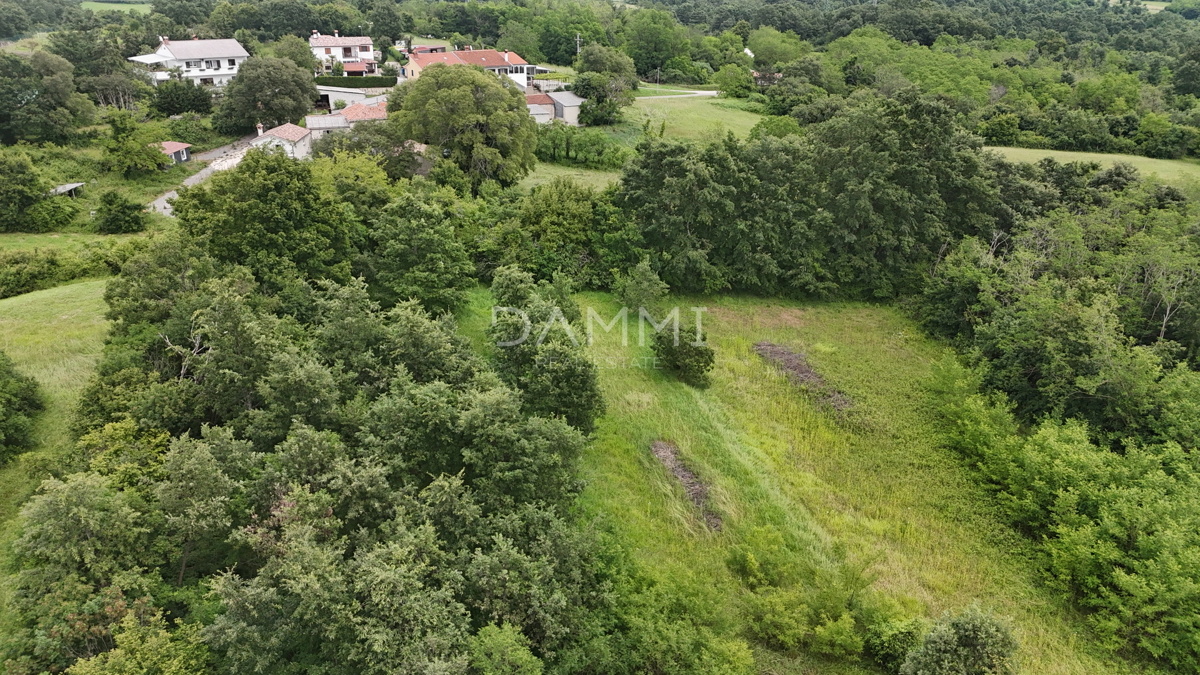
[220,159]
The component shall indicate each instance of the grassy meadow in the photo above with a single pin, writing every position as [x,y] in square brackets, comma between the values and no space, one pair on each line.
[874,489]
[63,241]
[55,336]
[139,7]
[1169,170]
[593,178]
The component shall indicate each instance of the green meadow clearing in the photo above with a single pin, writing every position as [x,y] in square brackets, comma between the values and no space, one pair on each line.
[1169,170]
[55,336]
[875,489]
[141,8]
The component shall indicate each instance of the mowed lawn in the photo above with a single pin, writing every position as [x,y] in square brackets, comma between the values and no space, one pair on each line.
[56,337]
[693,117]
[875,489]
[1169,170]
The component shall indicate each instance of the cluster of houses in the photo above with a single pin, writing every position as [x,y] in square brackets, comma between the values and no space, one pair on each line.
[214,63]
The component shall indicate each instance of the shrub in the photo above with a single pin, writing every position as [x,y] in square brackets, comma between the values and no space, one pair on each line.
[972,643]
[682,354]
[118,215]
[502,651]
[18,401]
[641,287]
[52,214]
[888,643]
[837,638]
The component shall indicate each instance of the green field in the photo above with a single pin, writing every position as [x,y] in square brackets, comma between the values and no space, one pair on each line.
[63,241]
[877,489]
[544,173]
[1169,170]
[693,117]
[141,8]
[55,336]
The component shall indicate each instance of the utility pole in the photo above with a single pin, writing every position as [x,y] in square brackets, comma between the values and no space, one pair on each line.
[578,44]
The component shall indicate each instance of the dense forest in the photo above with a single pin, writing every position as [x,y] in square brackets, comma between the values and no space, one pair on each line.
[290,457]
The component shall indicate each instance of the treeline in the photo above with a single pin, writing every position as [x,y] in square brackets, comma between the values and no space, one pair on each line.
[280,464]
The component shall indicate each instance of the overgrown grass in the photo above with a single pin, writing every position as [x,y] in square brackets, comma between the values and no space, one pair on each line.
[85,165]
[1170,170]
[874,488]
[56,336]
[689,117]
[546,172]
[62,241]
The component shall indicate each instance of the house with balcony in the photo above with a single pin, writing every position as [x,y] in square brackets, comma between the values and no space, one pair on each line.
[356,54]
[211,63]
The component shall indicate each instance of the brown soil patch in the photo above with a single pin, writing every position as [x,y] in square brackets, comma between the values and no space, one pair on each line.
[696,490]
[798,370]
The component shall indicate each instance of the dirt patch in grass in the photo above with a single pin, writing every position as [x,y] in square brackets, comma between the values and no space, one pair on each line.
[796,366]
[696,490]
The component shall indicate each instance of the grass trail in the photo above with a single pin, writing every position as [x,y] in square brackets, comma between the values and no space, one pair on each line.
[876,487]
[56,336]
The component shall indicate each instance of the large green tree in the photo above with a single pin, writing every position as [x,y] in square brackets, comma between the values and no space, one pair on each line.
[269,215]
[479,121]
[267,91]
[21,188]
[653,37]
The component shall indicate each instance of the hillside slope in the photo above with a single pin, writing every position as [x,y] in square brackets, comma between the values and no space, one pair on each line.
[56,336]
[875,489]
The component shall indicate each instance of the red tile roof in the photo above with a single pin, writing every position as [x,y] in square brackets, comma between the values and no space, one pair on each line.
[172,147]
[487,58]
[288,132]
[335,41]
[538,99]
[355,67]
[359,112]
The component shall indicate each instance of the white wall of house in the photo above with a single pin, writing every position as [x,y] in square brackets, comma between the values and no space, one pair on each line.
[300,149]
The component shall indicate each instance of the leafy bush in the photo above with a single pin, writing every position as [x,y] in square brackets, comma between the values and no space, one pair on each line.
[640,288]
[502,651]
[889,642]
[26,271]
[680,354]
[971,643]
[559,143]
[118,215]
[18,401]
[174,97]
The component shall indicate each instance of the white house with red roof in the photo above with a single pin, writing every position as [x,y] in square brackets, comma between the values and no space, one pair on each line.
[505,64]
[346,118]
[294,140]
[206,62]
[356,54]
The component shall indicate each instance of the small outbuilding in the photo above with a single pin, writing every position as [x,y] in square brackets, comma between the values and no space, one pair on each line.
[541,107]
[178,152]
[566,106]
[71,190]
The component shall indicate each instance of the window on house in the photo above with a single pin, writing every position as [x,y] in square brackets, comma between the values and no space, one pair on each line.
[232,63]
[347,51]
[364,48]
[216,64]
[328,50]
[206,81]
[191,64]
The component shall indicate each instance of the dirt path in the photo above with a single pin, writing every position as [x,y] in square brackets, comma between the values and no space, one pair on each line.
[220,159]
